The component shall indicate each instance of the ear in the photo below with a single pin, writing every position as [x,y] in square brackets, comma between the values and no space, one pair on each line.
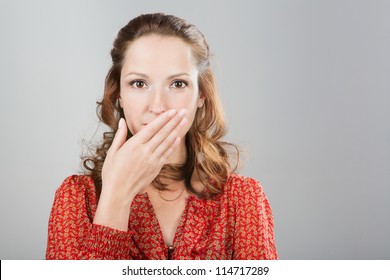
[201,100]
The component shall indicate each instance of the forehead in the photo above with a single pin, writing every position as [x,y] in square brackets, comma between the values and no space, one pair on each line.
[156,55]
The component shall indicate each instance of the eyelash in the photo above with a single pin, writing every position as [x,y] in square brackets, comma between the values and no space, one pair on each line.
[132,83]
[181,81]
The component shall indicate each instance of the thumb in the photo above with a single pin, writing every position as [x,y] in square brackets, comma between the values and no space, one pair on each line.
[120,136]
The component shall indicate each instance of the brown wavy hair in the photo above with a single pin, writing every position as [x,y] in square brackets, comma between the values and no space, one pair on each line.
[212,158]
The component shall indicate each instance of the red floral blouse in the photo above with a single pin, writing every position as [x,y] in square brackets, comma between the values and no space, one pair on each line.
[235,224]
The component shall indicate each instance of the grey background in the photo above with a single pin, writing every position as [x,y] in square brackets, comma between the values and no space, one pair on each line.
[306,90]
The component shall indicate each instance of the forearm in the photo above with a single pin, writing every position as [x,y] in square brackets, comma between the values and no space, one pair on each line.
[113,212]
[71,232]
[98,242]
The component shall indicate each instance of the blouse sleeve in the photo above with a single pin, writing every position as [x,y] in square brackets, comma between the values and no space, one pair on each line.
[254,227]
[71,233]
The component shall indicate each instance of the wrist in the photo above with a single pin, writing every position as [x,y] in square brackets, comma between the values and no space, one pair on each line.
[113,211]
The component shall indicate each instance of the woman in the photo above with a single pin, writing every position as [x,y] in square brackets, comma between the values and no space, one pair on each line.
[161,186]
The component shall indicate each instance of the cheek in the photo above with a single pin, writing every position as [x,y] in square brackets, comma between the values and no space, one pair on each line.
[190,104]
[186,100]
[130,116]
[132,109]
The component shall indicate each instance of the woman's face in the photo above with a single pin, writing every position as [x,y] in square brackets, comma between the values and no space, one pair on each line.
[158,74]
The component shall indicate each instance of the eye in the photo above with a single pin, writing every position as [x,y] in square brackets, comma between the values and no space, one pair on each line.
[138,84]
[179,84]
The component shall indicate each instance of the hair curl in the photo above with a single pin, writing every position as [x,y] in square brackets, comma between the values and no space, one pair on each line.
[206,152]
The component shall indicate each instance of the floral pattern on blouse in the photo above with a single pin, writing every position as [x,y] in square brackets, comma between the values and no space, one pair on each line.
[235,224]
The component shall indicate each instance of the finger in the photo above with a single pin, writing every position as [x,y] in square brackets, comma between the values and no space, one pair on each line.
[166,144]
[153,127]
[120,137]
[176,123]
[165,156]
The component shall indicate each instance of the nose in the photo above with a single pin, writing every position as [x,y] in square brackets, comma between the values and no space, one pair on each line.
[157,102]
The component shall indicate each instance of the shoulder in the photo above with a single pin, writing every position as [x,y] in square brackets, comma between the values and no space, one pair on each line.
[247,199]
[76,187]
[77,183]
[239,186]
[245,193]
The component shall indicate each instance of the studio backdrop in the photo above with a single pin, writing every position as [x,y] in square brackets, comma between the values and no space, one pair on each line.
[306,90]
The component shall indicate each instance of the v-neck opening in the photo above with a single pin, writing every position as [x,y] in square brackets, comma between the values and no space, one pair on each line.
[180,226]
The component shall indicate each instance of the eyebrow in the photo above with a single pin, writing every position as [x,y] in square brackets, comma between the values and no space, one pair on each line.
[146,76]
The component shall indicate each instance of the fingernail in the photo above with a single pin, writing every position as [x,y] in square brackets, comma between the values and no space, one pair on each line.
[120,123]
[183,122]
[171,112]
[182,112]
